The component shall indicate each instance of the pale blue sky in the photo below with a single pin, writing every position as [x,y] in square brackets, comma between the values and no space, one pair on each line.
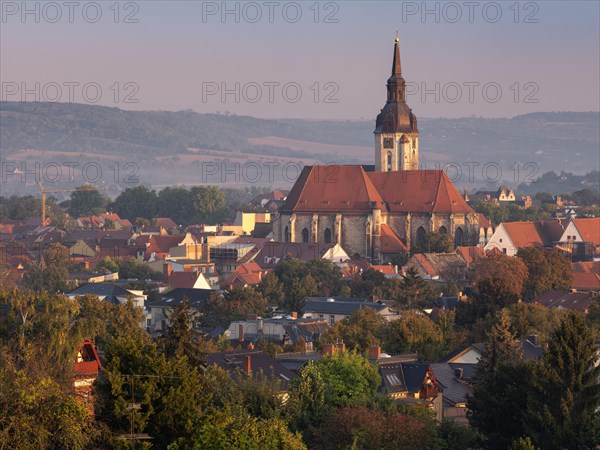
[170,52]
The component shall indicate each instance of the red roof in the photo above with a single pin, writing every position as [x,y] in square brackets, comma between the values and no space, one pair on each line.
[526,234]
[589,229]
[165,222]
[386,269]
[246,274]
[483,221]
[572,301]
[586,281]
[586,266]
[390,242]
[471,254]
[183,279]
[351,189]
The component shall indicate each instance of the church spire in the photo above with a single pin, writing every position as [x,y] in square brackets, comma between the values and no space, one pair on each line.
[396,66]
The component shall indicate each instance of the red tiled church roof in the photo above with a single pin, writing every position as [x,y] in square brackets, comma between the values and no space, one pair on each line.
[351,189]
[390,242]
[589,229]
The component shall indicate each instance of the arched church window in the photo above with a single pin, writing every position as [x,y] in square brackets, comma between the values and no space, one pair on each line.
[443,230]
[287,234]
[421,235]
[389,161]
[304,235]
[459,237]
[327,236]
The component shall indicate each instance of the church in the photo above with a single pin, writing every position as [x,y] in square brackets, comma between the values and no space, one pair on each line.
[378,211]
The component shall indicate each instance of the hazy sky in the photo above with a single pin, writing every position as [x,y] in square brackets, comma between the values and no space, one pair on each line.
[331,62]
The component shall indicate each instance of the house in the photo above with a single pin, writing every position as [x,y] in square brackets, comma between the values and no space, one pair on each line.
[509,237]
[246,274]
[586,276]
[82,248]
[170,265]
[109,292]
[335,309]
[568,300]
[272,253]
[581,238]
[529,347]
[411,382]
[502,195]
[455,381]
[471,254]
[270,201]
[86,370]
[151,247]
[279,329]
[252,363]
[247,221]
[188,280]
[438,266]
[158,310]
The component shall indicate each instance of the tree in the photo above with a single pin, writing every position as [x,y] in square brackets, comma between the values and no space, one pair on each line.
[85,201]
[414,289]
[546,269]
[136,202]
[498,406]
[349,378]
[365,283]
[566,394]
[364,328]
[306,406]
[52,273]
[434,242]
[361,427]
[499,282]
[208,203]
[501,346]
[272,289]
[414,332]
[181,339]
[176,203]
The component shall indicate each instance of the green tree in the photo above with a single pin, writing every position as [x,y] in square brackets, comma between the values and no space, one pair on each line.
[414,290]
[272,289]
[136,202]
[566,394]
[501,346]
[414,332]
[85,201]
[364,328]
[349,377]
[52,273]
[546,269]
[434,242]
[176,203]
[498,406]
[306,406]
[208,203]
[365,283]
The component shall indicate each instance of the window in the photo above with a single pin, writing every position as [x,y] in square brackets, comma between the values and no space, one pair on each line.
[389,161]
[327,236]
[443,230]
[331,319]
[148,323]
[287,234]
[421,234]
[304,235]
[504,250]
[321,316]
[500,240]
[388,142]
[458,237]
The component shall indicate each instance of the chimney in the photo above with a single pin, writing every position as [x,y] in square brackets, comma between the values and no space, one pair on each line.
[251,346]
[340,347]
[247,365]
[533,339]
[167,269]
[458,373]
[241,332]
[294,315]
[374,352]
[327,350]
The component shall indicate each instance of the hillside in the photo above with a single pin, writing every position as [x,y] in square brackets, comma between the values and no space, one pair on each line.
[181,142]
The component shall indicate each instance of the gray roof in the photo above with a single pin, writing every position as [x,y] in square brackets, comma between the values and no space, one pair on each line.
[109,291]
[196,297]
[454,389]
[339,305]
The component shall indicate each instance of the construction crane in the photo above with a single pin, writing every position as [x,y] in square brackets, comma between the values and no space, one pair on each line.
[44,191]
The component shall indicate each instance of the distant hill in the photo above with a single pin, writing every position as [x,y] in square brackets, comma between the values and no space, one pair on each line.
[182,141]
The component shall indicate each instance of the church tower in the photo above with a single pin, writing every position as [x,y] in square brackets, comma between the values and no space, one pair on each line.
[396,134]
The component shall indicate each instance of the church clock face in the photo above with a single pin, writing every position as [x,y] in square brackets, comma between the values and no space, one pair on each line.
[388,142]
